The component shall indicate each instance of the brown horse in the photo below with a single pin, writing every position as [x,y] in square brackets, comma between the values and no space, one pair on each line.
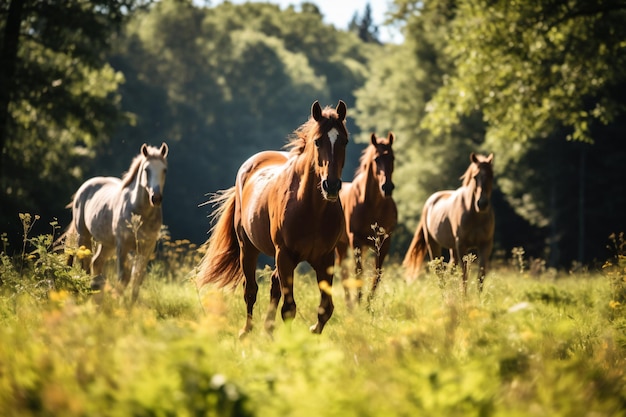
[368,207]
[459,220]
[286,205]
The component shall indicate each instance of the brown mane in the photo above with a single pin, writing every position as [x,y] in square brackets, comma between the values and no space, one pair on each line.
[366,159]
[475,168]
[305,134]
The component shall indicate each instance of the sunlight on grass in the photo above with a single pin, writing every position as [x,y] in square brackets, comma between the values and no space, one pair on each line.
[544,345]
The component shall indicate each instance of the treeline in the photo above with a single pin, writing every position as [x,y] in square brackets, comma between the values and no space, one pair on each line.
[540,86]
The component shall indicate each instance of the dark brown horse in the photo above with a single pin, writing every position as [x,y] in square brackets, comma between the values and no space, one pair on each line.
[370,212]
[459,220]
[286,205]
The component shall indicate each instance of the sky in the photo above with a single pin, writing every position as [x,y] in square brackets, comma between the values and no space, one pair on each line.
[339,13]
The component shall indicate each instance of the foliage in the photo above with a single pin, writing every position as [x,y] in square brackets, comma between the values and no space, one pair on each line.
[58,97]
[540,346]
[221,83]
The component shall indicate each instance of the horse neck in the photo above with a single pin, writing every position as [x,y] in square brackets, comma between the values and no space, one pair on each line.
[367,183]
[139,197]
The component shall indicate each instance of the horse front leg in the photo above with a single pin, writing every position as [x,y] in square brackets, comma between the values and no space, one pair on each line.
[324,271]
[123,272]
[275,294]
[285,266]
[483,263]
[458,254]
[138,274]
[380,257]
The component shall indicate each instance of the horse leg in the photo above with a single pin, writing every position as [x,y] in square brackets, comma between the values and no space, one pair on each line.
[341,251]
[286,265]
[98,261]
[275,294]
[358,270]
[324,271]
[138,274]
[458,254]
[380,257]
[248,255]
[484,252]
[123,272]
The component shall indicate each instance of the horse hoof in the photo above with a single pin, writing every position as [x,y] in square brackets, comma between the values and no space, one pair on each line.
[316,328]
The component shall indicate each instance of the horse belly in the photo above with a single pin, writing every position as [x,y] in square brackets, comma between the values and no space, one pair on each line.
[255,209]
[98,211]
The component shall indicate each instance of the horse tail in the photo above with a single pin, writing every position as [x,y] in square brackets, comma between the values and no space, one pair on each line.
[220,264]
[414,257]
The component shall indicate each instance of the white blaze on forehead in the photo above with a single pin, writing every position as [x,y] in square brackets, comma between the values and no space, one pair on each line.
[333,134]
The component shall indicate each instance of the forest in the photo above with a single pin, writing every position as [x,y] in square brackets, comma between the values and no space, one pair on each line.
[84,83]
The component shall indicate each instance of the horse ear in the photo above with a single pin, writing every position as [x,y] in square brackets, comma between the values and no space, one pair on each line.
[164,149]
[316,111]
[490,158]
[391,137]
[373,139]
[341,110]
[144,150]
[473,158]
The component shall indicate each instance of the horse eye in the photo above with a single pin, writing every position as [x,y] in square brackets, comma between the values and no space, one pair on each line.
[318,142]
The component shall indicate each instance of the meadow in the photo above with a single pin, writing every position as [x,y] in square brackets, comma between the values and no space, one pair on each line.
[535,342]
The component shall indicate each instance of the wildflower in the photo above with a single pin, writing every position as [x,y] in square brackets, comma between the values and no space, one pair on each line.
[614,304]
[325,286]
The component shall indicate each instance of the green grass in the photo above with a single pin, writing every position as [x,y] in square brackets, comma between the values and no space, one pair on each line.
[526,346]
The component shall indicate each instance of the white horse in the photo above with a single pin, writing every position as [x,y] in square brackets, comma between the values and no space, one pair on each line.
[122,216]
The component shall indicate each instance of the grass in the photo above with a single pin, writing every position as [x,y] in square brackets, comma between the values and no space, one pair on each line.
[529,345]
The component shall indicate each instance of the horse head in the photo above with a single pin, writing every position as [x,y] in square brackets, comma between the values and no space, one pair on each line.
[482,174]
[384,161]
[152,172]
[330,147]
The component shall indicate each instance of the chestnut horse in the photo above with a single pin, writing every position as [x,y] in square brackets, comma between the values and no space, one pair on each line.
[370,213]
[285,205]
[103,210]
[459,220]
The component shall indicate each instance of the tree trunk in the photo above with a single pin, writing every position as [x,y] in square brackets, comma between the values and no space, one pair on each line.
[8,63]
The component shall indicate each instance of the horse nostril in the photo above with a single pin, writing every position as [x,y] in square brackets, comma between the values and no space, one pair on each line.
[331,187]
[156,199]
[483,204]
[388,187]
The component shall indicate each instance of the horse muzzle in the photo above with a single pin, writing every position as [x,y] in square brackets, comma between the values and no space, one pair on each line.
[156,199]
[483,204]
[388,188]
[331,189]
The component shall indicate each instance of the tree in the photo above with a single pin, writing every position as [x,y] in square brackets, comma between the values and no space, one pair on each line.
[57,96]
[364,26]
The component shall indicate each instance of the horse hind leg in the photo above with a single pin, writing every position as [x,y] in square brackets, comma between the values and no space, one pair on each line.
[248,255]
[98,262]
[275,295]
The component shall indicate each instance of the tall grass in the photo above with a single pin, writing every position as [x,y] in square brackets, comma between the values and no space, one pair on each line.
[528,345]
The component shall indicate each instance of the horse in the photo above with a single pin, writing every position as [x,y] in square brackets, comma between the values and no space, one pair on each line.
[121,216]
[459,220]
[284,204]
[370,212]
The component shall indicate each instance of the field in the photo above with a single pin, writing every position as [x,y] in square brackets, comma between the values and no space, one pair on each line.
[546,344]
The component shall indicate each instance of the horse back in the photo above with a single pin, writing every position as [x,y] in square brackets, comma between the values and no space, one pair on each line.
[93,207]
[259,197]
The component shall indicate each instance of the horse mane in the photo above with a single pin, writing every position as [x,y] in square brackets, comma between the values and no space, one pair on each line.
[300,137]
[366,159]
[473,169]
[129,176]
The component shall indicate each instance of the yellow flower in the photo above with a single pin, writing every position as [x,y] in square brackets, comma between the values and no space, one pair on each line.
[83,252]
[614,304]
[325,286]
